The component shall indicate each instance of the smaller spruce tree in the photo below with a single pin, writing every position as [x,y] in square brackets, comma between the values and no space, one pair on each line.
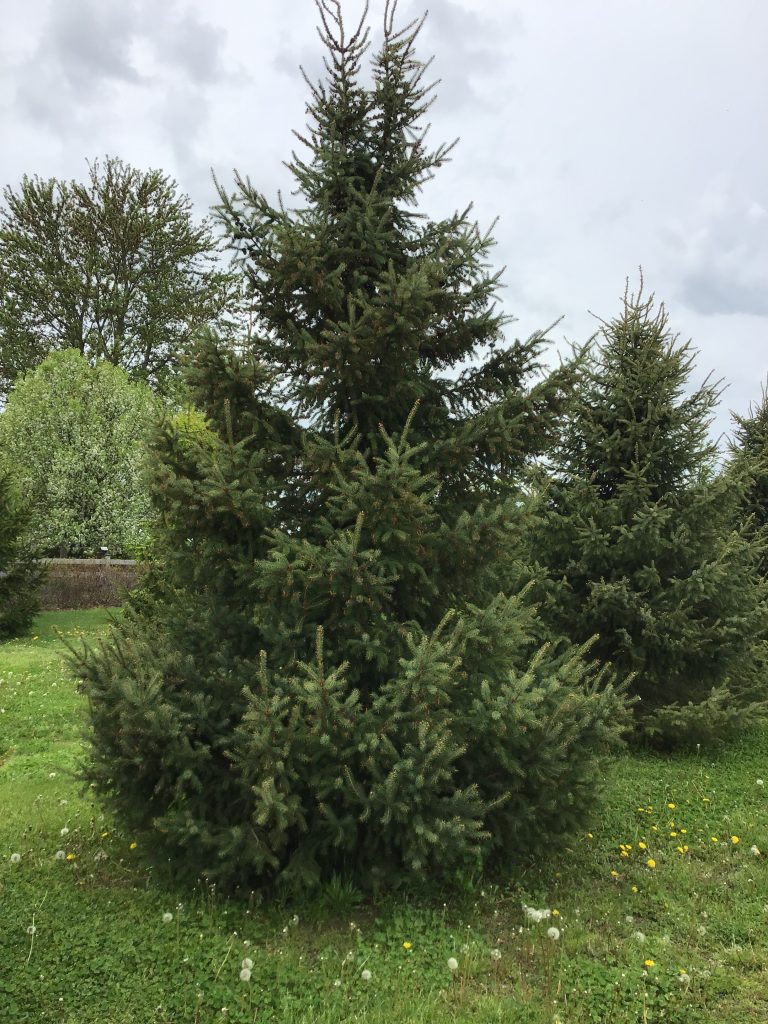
[641,540]
[749,467]
[20,575]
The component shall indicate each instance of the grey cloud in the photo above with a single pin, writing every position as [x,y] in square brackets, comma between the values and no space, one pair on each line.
[709,294]
[87,49]
[467,46]
[83,46]
[195,47]
[91,41]
[725,263]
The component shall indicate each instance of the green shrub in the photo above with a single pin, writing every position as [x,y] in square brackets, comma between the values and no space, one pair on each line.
[76,436]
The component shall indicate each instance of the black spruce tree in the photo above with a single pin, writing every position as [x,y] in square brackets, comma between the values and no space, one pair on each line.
[748,465]
[335,670]
[642,540]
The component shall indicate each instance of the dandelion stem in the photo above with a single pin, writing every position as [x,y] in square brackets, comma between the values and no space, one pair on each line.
[221,965]
[31,939]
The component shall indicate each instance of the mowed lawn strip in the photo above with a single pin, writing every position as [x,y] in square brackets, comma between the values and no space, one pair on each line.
[657,911]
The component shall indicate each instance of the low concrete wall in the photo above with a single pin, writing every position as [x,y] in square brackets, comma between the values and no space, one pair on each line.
[86,582]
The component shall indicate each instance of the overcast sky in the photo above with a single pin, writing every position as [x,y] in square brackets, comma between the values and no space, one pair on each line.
[604,135]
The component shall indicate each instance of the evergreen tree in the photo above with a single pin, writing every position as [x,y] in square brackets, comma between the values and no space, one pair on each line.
[749,464]
[20,576]
[335,669]
[641,539]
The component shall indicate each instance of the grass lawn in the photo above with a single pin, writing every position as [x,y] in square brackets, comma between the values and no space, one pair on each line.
[83,937]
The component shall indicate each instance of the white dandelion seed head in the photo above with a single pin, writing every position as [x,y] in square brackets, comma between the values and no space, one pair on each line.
[553,933]
[759,782]
[684,977]
[754,851]
[245,974]
[366,975]
[295,920]
[15,858]
[31,930]
[495,954]
[337,983]
[64,831]
[629,919]
[701,930]
[453,963]
[638,937]
[247,964]
[60,855]
[167,917]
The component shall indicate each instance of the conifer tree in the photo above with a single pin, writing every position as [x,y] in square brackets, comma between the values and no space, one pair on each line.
[20,576]
[336,669]
[641,539]
[749,465]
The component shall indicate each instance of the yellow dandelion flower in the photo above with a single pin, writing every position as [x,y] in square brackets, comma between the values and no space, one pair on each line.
[590,836]
[133,845]
[642,846]
[407,945]
[684,831]
[70,856]
[104,835]
[635,889]
[715,839]
[649,963]
[651,863]
[654,828]
[680,849]
[624,853]
[615,874]
[673,834]
[555,913]
[735,840]
[671,806]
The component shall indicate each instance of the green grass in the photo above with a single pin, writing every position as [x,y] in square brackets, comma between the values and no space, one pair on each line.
[102,953]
